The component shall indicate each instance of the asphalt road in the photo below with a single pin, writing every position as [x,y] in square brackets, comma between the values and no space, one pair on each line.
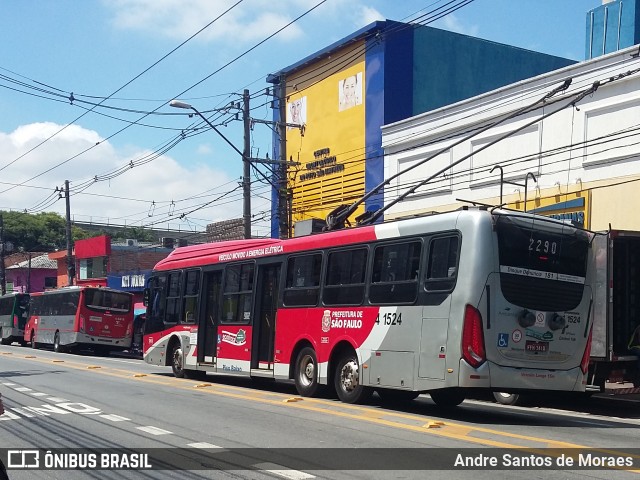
[230,427]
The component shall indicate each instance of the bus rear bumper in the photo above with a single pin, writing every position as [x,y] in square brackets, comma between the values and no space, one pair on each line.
[510,379]
[115,343]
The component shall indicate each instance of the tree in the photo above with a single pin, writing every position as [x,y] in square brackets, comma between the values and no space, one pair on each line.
[44,232]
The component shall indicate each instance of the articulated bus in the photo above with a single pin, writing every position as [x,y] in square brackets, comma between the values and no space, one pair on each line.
[471,299]
[14,310]
[72,317]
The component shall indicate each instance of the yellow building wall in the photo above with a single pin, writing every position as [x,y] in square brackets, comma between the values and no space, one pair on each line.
[330,147]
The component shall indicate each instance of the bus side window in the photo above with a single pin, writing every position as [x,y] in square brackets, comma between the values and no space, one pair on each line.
[344,282]
[302,284]
[191,292]
[238,293]
[172,314]
[394,278]
[442,265]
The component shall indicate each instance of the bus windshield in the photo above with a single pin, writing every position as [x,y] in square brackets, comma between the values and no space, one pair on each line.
[102,300]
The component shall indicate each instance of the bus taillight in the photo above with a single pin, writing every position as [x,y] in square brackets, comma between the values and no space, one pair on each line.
[473,338]
[15,321]
[81,326]
[584,364]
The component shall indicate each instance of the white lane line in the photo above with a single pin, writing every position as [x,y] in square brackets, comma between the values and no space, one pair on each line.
[202,445]
[154,430]
[9,384]
[22,389]
[115,418]
[39,394]
[57,400]
[282,471]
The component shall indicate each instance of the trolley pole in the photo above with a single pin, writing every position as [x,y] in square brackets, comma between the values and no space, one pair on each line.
[71,270]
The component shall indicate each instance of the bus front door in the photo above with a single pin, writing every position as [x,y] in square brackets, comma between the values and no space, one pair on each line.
[265,326]
[208,336]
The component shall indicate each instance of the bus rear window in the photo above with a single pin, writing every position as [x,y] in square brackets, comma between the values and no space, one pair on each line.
[104,300]
[542,265]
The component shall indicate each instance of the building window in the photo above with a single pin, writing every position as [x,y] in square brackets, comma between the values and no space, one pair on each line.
[93,268]
[50,282]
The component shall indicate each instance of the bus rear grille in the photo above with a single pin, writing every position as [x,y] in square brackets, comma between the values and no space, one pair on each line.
[540,294]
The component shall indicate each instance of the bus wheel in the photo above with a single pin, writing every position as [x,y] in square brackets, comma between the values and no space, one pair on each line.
[447,397]
[347,381]
[56,343]
[176,361]
[306,372]
[396,396]
[33,340]
[506,398]
[5,341]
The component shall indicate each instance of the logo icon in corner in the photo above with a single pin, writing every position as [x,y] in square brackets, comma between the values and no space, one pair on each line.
[326,321]
[241,337]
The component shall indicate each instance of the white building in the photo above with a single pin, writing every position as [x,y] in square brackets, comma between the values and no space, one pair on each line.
[585,159]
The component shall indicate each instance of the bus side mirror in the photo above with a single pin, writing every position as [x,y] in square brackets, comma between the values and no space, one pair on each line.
[145,297]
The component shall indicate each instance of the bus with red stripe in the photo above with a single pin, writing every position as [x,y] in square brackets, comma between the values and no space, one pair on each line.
[78,317]
[471,299]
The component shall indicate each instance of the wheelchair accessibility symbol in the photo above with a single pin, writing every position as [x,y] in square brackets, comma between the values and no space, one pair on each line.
[503,340]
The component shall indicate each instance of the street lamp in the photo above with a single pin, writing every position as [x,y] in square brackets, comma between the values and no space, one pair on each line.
[246,166]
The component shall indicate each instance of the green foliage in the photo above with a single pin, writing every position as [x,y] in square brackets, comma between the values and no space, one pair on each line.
[42,232]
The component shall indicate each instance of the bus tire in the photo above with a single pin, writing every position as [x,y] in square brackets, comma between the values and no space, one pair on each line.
[396,396]
[347,380]
[447,397]
[306,372]
[504,398]
[34,345]
[5,341]
[56,343]
[177,362]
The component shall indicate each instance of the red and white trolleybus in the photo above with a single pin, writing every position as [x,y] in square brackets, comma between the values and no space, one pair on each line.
[471,299]
[70,317]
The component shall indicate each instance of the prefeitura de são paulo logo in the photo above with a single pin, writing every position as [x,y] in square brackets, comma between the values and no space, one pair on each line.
[326,321]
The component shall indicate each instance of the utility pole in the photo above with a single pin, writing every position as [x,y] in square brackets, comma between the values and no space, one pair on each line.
[283,200]
[3,281]
[246,166]
[71,269]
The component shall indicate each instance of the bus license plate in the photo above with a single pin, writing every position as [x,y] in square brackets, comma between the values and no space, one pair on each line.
[537,347]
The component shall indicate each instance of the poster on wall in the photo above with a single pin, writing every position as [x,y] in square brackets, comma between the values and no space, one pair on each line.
[297,112]
[350,91]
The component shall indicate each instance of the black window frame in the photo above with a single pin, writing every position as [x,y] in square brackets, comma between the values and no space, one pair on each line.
[191,294]
[340,290]
[379,288]
[243,297]
[308,294]
[439,284]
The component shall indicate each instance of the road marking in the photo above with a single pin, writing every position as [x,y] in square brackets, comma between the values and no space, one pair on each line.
[39,394]
[154,430]
[9,384]
[202,445]
[282,471]
[57,400]
[115,418]
[22,389]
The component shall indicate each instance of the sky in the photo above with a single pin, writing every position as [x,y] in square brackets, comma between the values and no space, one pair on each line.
[85,86]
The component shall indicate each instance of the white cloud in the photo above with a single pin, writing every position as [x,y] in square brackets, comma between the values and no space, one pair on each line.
[177,19]
[453,23]
[204,149]
[163,180]
[368,15]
